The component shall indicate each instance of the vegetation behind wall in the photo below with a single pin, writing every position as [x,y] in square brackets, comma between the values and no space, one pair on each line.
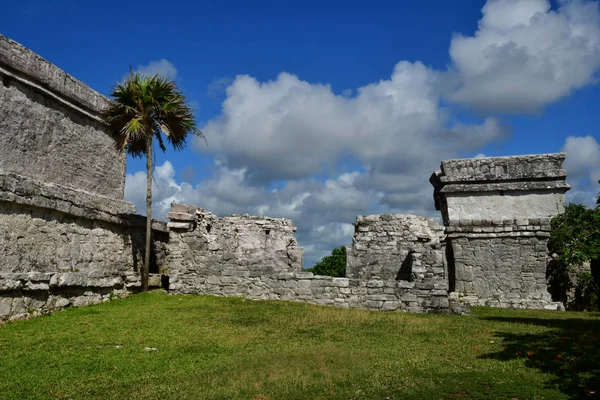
[574,242]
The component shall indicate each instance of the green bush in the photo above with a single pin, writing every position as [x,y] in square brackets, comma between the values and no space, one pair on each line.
[333,265]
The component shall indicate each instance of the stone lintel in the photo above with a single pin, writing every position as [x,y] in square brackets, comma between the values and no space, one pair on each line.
[180,216]
[491,235]
[180,225]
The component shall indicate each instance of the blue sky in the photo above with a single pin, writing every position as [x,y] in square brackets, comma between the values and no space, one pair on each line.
[320,111]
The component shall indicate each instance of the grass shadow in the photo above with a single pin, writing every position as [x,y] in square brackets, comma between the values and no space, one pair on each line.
[569,352]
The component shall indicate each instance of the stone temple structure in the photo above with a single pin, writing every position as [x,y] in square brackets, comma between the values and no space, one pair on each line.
[68,238]
[497,215]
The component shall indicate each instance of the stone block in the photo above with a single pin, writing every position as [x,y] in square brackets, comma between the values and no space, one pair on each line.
[373,304]
[286,275]
[340,282]
[179,225]
[180,216]
[7,285]
[36,286]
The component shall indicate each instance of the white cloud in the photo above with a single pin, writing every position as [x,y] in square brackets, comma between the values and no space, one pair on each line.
[583,168]
[289,128]
[216,88]
[160,67]
[525,55]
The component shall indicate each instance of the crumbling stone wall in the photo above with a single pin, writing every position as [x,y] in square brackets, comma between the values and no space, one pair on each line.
[62,247]
[497,213]
[202,245]
[396,247]
[50,127]
[258,258]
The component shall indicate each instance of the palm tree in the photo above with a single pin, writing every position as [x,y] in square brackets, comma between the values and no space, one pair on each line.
[142,109]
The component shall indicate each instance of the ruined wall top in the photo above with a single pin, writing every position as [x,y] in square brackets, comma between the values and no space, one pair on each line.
[22,62]
[395,247]
[234,246]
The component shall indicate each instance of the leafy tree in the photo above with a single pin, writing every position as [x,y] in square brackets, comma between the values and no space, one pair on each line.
[142,110]
[333,265]
[575,235]
[575,239]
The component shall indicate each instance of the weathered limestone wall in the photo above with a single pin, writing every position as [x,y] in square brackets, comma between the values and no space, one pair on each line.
[62,247]
[396,247]
[501,265]
[50,127]
[497,212]
[383,295]
[242,246]
[258,258]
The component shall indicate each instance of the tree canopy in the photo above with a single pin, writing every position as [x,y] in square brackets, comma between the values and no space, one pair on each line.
[575,239]
[575,234]
[333,265]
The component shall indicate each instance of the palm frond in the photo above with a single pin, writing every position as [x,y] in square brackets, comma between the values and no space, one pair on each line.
[145,107]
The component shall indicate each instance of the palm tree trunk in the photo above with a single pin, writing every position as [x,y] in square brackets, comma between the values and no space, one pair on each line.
[146,266]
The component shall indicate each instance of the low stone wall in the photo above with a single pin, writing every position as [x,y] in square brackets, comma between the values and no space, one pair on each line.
[29,294]
[60,247]
[388,295]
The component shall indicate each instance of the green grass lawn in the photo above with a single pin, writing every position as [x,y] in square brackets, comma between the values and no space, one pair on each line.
[231,348]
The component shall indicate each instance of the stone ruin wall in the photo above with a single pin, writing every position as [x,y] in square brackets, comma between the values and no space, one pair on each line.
[234,256]
[68,238]
[497,214]
[50,127]
[492,250]
[235,247]
[66,235]
[61,247]
[396,247]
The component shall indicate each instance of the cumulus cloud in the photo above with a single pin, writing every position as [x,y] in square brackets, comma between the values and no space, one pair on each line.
[160,67]
[583,168]
[295,149]
[525,55]
[288,128]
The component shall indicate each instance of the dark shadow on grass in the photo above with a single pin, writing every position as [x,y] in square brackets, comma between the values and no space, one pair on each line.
[569,352]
